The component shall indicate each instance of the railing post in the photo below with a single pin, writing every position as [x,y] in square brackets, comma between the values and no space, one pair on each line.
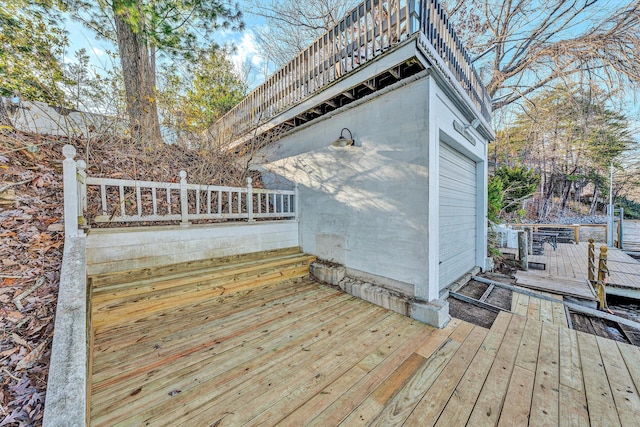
[70,192]
[591,262]
[523,249]
[82,191]
[184,201]
[296,201]
[602,278]
[621,230]
[249,200]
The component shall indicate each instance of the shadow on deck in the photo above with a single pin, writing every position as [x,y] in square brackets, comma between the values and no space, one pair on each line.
[257,342]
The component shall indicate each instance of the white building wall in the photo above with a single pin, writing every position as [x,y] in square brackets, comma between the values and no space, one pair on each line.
[374,207]
[365,207]
[39,117]
[142,247]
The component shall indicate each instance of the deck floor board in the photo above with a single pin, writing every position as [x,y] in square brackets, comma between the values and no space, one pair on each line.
[300,353]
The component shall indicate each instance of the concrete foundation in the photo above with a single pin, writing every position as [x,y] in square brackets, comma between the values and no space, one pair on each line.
[327,273]
[376,295]
[434,313]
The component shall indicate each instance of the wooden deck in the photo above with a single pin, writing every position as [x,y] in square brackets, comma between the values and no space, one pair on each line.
[300,353]
[570,261]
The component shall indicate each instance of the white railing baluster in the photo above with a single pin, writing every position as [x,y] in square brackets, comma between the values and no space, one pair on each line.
[139,200]
[230,201]
[219,202]
[154,200]
[122,204]
[103,197]
[249,200]
[198,201]
[208,201]
[184,199]
[168,200]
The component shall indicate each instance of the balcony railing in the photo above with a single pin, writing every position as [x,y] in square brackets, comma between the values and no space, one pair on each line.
[369,30]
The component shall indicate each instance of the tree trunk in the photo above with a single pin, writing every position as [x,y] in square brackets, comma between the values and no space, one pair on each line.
[594,202]
[138,83]
[4,115]
[565,197]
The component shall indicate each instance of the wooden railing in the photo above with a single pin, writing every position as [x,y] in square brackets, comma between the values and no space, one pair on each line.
[366,32]
[122,200]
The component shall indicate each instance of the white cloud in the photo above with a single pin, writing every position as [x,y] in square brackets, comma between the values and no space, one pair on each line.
[98,52]
[247,53]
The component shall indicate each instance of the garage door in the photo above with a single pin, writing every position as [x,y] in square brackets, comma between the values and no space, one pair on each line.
[457,214]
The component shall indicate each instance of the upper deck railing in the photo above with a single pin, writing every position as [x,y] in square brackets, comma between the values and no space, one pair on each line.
[366,32]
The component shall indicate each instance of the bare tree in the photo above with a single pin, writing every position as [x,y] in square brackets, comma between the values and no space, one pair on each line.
[292,25]
[521,46]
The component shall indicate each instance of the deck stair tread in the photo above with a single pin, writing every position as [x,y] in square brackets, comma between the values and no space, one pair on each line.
[105,281]
[186,277]
[134,295]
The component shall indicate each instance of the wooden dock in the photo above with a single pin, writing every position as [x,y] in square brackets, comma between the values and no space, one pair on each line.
[295,352]
[569,262]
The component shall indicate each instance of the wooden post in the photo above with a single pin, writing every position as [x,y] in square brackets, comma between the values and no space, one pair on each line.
[82,191]
[576,233]
[70,190]
[249,200]
[591,262]
[602,278]
[523,246]
[184,201]
[621,230]
[529,233]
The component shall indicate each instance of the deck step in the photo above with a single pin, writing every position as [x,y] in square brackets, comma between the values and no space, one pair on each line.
[117,301]
[128,276]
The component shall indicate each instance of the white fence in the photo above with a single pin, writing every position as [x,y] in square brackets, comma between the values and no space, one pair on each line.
[122,200]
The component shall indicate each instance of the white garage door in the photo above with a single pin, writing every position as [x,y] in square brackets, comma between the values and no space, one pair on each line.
[457,214]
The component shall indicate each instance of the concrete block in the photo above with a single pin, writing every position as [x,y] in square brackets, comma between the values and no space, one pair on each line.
[376,295]
[434,313]
[327,273]
[67,385]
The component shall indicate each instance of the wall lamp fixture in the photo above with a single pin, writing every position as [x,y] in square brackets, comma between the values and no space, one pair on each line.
[342,141]
[474,124]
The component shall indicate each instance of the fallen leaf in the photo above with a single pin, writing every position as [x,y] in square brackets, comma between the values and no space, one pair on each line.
[55,228]
[8,352]
[11,315]
[31,358]
[18,340]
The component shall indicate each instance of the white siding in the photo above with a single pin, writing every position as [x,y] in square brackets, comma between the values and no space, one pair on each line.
[457,233]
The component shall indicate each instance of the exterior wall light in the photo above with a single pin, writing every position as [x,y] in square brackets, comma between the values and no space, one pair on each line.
[474,124]
[342,141]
